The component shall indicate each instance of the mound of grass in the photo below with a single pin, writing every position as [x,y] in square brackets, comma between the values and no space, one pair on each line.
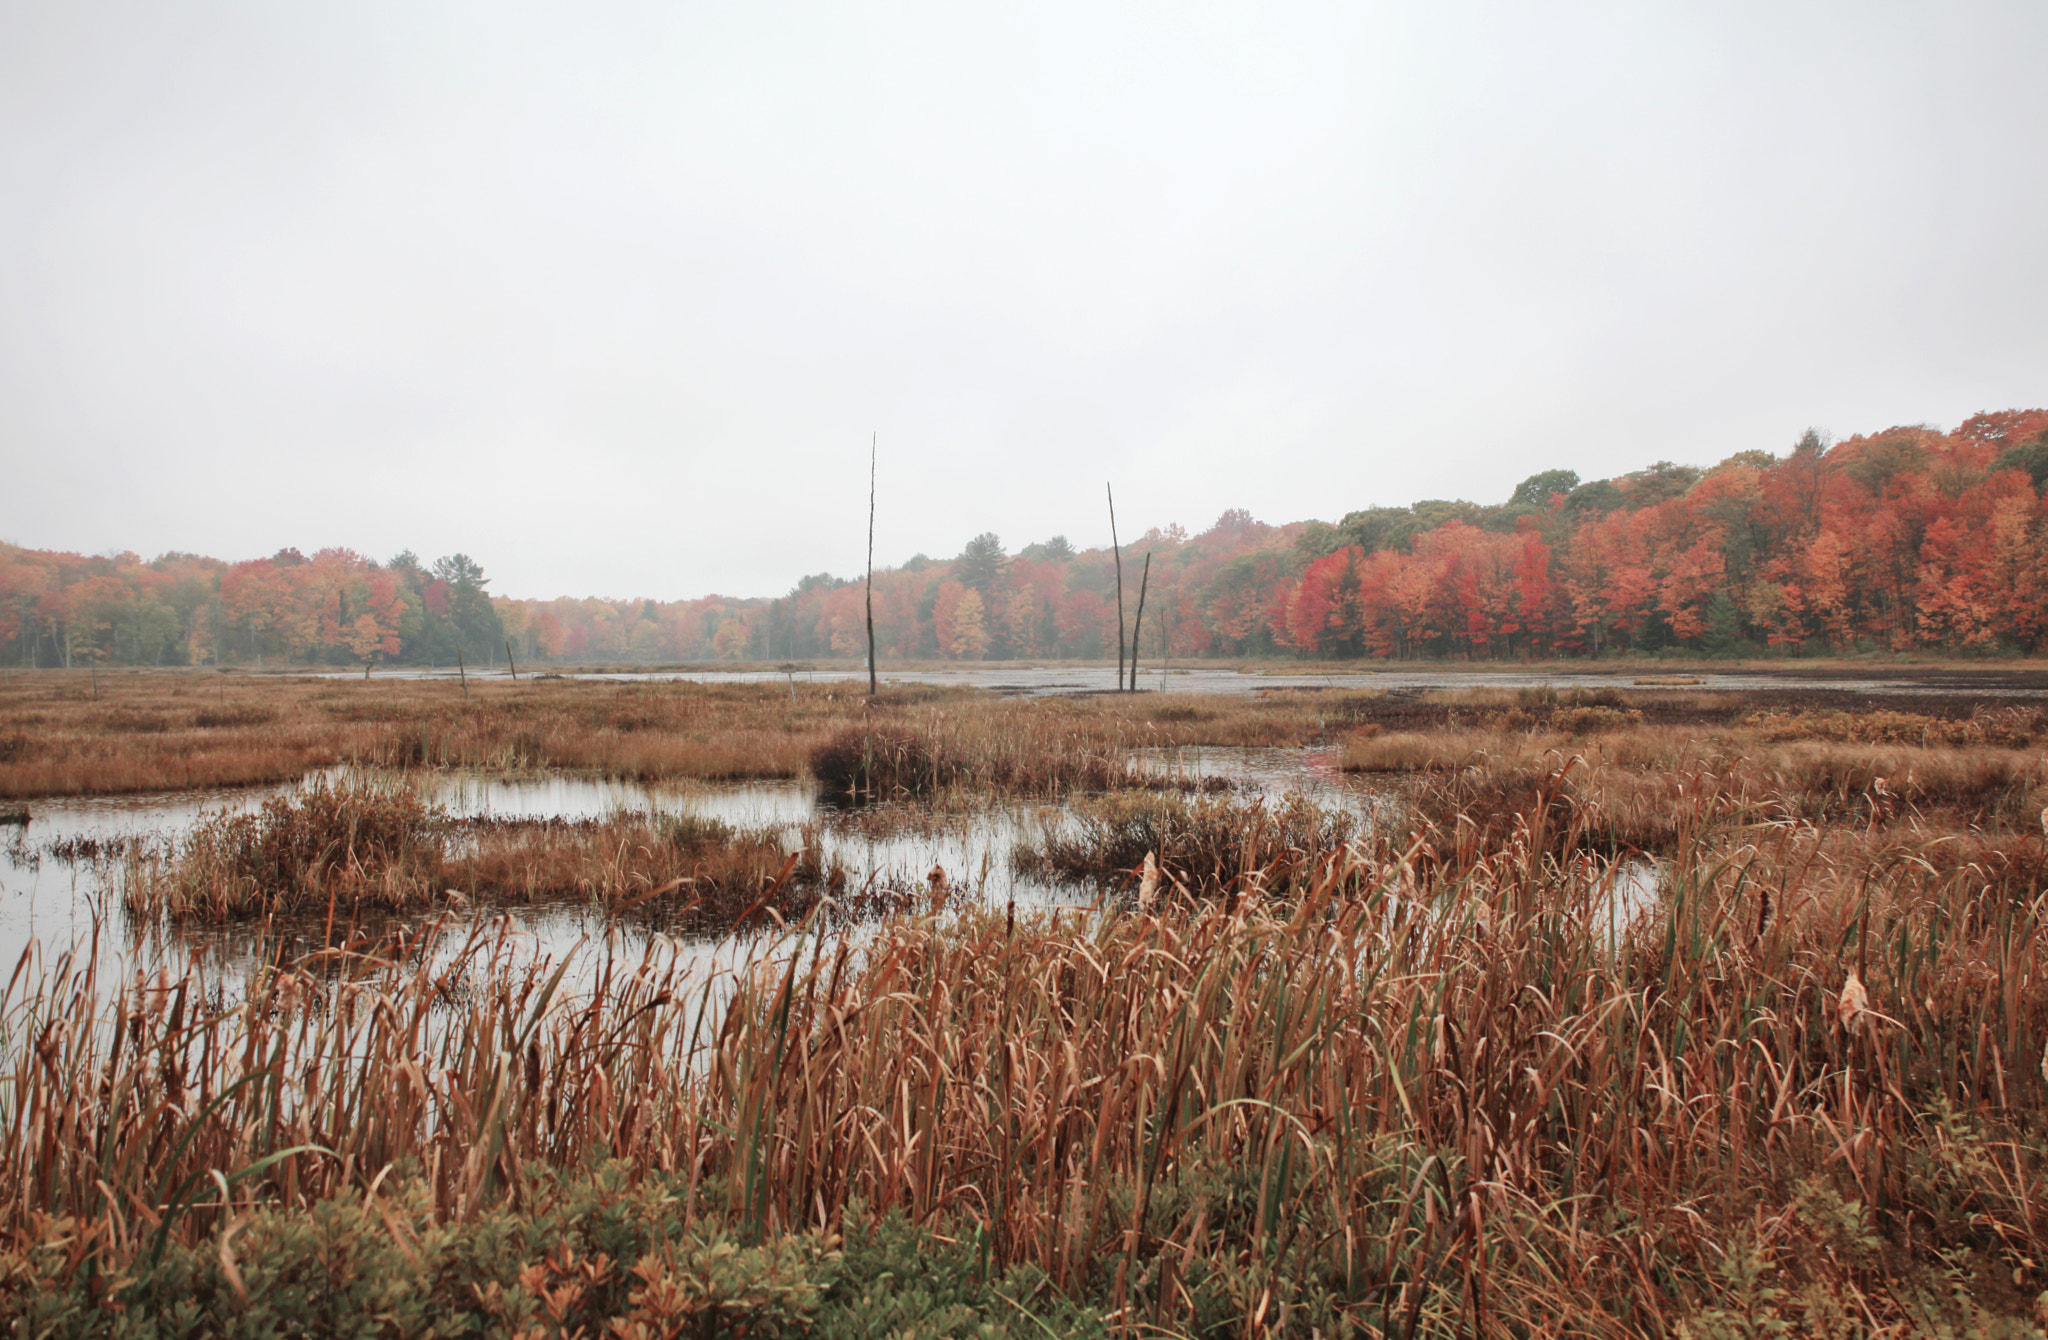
[1046,752]
[362,844]
[353,841]
[1205,845]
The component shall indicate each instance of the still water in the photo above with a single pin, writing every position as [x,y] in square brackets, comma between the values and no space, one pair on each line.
[60,876]
[1038,681]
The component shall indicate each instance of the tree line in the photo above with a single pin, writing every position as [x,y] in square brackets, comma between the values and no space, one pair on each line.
[336,607]
[1907,539]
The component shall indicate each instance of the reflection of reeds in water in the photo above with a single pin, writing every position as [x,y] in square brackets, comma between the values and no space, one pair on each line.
[1434,1092]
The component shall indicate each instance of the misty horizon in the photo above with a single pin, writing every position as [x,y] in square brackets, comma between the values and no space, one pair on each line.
[619,294]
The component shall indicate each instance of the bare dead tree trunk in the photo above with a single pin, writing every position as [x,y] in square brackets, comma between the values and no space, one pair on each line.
[1117,550]
[1138,621]
[873,688]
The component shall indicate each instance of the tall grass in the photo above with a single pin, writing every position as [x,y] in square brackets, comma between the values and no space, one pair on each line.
[355,842]
[1433,1093]
[973,754]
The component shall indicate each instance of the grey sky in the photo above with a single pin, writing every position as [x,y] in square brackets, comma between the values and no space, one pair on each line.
[611,296]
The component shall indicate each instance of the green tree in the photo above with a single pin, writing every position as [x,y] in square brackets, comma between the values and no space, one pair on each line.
[1659,482]
[472,621]
[1056,550]
[1596,498]
[2031,457]
[1535,492]
[981,565]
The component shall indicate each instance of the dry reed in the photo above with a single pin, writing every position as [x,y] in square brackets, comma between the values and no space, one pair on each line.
[1427,1096]
[1201,847]
[360,846]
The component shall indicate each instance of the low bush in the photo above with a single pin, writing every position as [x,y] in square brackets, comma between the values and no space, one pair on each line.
[1042,753]
[596,1252]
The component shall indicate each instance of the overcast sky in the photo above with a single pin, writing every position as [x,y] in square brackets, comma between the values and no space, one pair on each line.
[611,296]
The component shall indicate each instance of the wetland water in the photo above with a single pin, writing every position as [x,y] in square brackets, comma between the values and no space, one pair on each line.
[60,876]
[1037,681]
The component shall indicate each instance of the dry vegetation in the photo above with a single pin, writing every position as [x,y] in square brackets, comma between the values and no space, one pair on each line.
[363,846]
[1422,1097]
[150,732]
[170,731]
[1201,846]
[1431,1078]
[1963,794]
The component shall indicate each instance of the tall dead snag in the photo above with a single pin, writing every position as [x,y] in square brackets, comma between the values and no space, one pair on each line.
[872,689]
[1138,620]
[1117,550]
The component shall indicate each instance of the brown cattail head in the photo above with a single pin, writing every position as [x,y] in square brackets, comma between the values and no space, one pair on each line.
[936,877]
[1854,1001]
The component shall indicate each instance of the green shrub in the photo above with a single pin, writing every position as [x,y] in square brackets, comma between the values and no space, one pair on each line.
[592,1255]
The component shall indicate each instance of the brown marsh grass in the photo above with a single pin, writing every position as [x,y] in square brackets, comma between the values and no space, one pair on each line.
[1202,846]
[363,845]
[697,876]
[153,732]
[1421,1098]
[1981,774]
[180,730]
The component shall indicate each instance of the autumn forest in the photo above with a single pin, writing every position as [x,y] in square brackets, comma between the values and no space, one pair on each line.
[1909,539]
